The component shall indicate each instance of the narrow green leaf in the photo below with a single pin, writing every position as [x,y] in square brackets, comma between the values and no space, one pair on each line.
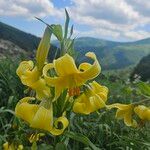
[57,31]
[81,138]
[71,31]
[66,24]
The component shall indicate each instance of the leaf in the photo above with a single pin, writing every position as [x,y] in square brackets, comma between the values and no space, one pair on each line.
[60,146]
[57,31]
[81,138]
[71,31]
[144,88]
[66,24]
[34,146]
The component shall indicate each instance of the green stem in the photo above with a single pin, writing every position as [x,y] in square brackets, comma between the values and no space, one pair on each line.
[143,101]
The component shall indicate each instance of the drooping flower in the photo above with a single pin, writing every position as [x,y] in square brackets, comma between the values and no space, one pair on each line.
[40,117]
[91,100]
[68,75]
[30,74]
[125,112]
[143,112]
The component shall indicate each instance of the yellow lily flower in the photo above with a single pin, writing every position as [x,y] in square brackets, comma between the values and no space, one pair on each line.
[92,100]
[124,112]
[143,112]
[39,117]
[30,76]
[68,76]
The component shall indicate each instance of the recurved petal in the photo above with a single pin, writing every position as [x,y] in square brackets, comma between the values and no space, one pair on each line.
[43,119]
[51,81]
[65,65]
[90,71]
[119,106]
[23,67]
[27,73]
[84,66]
[26,111]
[63,122]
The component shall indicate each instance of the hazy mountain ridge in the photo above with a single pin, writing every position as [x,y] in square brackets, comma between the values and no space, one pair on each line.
[112,55]
[26,43]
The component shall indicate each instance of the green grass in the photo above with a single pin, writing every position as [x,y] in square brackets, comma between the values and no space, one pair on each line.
[101,128]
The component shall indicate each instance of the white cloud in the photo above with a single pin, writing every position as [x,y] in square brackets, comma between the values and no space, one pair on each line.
[28,8]
[113,18]
[116,19]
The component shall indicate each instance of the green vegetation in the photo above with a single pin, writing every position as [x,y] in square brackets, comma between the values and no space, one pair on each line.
[142,69]
[101,128]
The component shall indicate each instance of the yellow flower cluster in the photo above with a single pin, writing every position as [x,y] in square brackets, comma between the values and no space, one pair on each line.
[62,74]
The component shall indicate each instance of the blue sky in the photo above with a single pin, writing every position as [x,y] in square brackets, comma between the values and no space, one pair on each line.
[117,20]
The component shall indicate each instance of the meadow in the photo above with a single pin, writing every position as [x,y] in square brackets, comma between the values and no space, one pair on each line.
[63,104]
[99,129]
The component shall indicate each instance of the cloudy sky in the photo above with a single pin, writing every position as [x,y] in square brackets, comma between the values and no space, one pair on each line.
[118,20]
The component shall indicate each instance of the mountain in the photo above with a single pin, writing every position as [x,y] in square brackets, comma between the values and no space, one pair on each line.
[142,69]
[14,41]
[112,55]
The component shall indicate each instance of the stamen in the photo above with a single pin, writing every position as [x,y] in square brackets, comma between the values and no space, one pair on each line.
[74,91]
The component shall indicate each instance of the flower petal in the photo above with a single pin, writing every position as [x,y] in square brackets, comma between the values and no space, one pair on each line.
[84,66]
[27,73]
[143,112]
[43,119]
[120,114]
[80,108]
[26,111]
[93,70]
[101,91]
[64,121]
[119,106]
[65,65]
[24,66]
[128,118]
[42,90]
